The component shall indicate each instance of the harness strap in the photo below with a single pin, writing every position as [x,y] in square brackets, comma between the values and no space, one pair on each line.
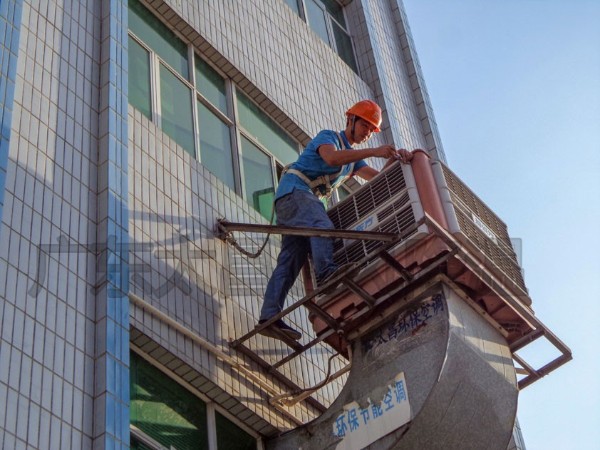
[323,180]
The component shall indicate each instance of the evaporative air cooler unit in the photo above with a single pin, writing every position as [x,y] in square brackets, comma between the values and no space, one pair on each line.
[431,321]
[413,201]
[393,202]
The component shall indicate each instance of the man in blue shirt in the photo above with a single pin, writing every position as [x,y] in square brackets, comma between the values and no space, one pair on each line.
[326,162]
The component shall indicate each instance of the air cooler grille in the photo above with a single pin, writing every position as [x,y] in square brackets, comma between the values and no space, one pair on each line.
[498,247]
[473,204]
[385,201]
[505,261]
[361,204]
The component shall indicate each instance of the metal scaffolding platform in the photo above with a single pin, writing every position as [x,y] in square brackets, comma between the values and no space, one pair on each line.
[365,319]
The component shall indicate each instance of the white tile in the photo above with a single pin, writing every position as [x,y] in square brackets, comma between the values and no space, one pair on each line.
[7,324]
[44,430]
[67,404]
[3,401]
[9,441]
[12,404]
[55,432]
[22,417]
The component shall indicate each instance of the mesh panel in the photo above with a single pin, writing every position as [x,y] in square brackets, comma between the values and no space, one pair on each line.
[384,198]
[466,203]
[466,199]
[505,261]
[379,191]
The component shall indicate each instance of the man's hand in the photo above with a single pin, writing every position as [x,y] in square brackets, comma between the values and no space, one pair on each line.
[404,155]
[385,151]
[388,151]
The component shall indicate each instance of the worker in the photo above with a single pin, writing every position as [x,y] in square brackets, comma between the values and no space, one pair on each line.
[326,161]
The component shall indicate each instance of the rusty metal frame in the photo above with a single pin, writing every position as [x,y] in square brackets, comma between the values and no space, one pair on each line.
[425,277]
[526,314]
[225,227]
[404,283]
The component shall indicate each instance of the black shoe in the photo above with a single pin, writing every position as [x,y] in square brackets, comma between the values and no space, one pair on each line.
[279,327]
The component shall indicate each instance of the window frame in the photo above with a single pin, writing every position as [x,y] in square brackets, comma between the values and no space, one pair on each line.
[275,162]
[148,441]
[329,21]
[186,83]
[211,409]
[230,118]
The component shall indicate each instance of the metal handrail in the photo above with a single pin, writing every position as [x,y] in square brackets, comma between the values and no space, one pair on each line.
[538,328]
[457,250]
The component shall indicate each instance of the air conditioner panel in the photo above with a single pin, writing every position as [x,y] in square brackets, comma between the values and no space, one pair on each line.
[380,205]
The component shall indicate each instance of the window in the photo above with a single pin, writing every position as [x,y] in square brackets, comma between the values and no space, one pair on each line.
[163,414]
[232,437]
[175,113]
[257,124]
[326,18]
[176,117]
[215,145]
[317,19]
[194,107]
[265,150]
[137,444]
[343,43]
[156,35]
[294,5]
[214,124]
[164,410]
[211,85]
[139,78]
[258,178]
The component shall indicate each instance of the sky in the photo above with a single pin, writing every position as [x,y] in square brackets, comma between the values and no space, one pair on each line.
[515,90]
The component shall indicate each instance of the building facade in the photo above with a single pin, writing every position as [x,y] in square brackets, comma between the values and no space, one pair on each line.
[128,129]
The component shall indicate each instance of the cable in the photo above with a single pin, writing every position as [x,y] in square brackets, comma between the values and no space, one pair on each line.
[231,240]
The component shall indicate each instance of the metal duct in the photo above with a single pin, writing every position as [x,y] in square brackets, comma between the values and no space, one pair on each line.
[434,375]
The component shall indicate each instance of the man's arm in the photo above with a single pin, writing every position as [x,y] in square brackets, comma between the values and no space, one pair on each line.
[337,158]
[367,172]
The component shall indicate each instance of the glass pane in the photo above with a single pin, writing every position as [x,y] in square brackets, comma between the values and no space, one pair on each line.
[158,37]
[258,178]
[136,444]
[215,145]
[335,10]
[211,85]
[164,410]
[294,5]
[266,131]
[139,78]
[232,437]
[316,19]
[176,110]
[344,46]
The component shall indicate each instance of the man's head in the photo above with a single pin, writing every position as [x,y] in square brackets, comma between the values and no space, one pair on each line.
[363,118]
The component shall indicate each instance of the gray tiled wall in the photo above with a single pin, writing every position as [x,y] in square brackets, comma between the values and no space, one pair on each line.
[48,332]
[48,348]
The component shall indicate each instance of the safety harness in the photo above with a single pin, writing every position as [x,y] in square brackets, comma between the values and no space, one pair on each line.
[321,186]
[315,185]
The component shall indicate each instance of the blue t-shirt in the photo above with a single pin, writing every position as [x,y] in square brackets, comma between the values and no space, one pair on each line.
[312,165]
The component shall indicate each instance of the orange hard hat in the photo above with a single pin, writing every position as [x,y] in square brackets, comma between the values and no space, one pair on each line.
[369,111]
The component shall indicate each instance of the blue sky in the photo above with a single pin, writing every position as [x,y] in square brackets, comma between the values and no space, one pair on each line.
[515,89]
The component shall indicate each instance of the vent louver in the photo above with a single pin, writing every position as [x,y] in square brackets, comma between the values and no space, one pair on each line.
[483,228]
[381,205]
